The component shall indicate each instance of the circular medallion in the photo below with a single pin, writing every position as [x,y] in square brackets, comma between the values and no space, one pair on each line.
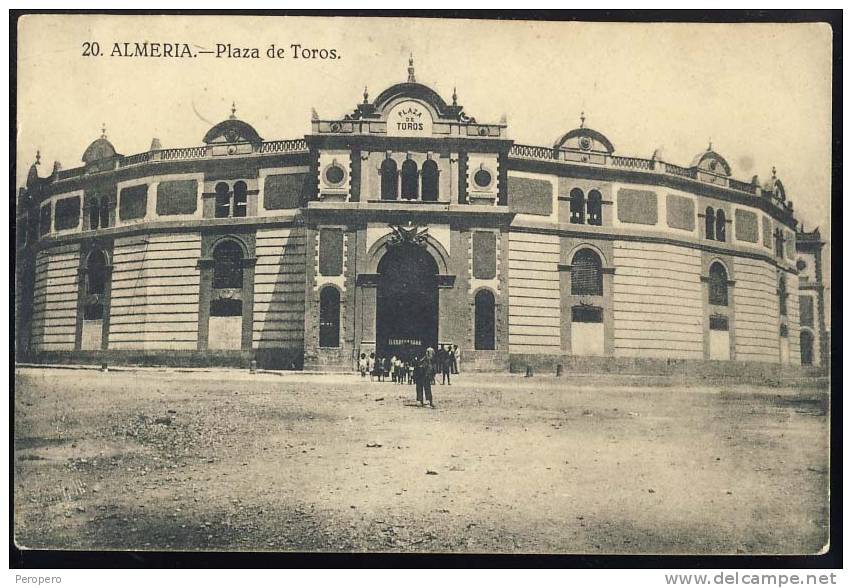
[585,143]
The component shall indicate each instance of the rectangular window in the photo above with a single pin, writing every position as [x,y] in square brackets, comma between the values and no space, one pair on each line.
[133,202]
[767,233]
[529,196]
[67,213]
[44,220]
[680,212]
[586,314]
[637,206]
[331,252]
[806,311]
[284,191]
[718,323]
[21,230]
[484,255]
[745,226]
[177,197]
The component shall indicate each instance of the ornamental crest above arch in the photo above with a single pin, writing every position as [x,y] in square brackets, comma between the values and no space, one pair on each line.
[409,234]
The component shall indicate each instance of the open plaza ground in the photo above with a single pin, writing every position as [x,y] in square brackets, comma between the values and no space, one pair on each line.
[224,459]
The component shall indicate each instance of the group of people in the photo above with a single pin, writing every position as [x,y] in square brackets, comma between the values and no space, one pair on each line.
[419,370]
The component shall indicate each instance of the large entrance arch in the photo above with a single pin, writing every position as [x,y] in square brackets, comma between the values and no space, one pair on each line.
[406,301]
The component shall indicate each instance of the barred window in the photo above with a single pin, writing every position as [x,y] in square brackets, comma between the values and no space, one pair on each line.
[594,208]
[586,274]
[227,266]
[240,198]
[578,215]
[718,285]
[223,200]
[44,220]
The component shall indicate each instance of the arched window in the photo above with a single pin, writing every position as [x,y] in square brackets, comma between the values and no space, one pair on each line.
[409,180]
[806,345]
[594,208]
[96,275]
[483,320]
[329,317]
[710,223]
[389,187]
[240,198]
[578,215]
[586,274]
[720,225]
[718,285]
[782,295]
[227,280]
[429,188]
[223,200]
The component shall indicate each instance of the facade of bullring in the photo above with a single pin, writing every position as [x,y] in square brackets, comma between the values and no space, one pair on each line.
[403,224]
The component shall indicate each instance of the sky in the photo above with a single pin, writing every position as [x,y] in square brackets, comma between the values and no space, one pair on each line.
[760,92]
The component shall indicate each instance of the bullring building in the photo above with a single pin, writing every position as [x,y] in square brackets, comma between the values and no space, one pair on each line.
[403,224]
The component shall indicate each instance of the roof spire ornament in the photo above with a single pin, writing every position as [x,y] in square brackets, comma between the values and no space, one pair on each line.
[38,157]
[773,172]
[455,97]
[411,78]
[233,110]
[103,131]
[366,95]
[582,119]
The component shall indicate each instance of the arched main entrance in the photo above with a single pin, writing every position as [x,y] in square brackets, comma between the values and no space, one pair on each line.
[406,302]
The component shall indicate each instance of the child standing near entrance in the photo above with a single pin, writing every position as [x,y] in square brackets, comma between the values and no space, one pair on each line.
[362,365]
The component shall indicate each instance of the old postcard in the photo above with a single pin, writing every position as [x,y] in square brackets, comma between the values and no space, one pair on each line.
[431,285]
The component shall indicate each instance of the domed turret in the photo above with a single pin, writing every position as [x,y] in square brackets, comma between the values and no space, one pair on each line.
[584,139]
[710,161]
[100,149]
[232,130]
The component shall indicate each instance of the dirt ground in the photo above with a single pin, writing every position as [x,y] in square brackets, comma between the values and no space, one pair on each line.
[298,462]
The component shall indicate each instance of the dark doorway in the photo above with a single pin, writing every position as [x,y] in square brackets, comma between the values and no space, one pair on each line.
[406,302]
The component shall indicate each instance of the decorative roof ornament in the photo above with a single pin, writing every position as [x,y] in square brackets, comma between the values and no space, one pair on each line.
[411,78]
[774,173]
[455,97]
[710,144]
[409,234]
[314,115]
[155,144]
[233,111]
[582,120]
[103,131]
[38,157]
[366,95]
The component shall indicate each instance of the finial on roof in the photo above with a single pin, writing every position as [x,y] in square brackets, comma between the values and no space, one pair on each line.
[455,97]
[582,120]
[233,110]
[38,157]
[155,144]
[411,78]
[366,95]
[103,131]
[773,172]
[314,115]
[710,144]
